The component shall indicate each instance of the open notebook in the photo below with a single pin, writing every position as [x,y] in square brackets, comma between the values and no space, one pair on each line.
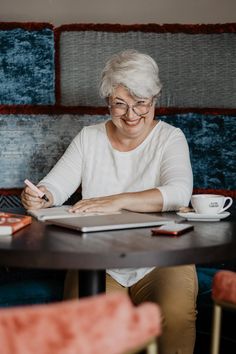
[89,222]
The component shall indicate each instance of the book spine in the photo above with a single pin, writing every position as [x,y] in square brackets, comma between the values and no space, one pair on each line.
[19,225]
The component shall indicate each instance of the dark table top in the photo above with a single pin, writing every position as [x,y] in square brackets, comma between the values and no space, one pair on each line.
[46,246]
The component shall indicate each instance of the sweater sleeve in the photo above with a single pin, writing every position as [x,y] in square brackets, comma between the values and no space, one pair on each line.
[65,176]
[176,178]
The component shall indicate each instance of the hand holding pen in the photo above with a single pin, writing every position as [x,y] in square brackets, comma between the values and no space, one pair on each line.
[36,189]
[34,197]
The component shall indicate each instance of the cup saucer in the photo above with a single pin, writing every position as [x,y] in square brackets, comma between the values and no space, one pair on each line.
[203,217]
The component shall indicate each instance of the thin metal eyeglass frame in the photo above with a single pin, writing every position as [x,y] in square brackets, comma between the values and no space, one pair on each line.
[133,107]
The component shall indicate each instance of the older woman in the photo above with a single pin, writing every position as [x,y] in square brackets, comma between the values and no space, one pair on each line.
[136,163]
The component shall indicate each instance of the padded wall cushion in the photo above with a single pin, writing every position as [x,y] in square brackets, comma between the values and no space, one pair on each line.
[212,145]
[197,70]
[211,141]
[27,66]
[31,145]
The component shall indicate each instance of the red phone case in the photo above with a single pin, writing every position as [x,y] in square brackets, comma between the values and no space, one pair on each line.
[158,231]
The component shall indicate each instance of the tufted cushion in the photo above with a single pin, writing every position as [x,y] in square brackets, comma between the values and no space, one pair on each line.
[46,139]
[48,136]
[87,326]
[27,66]
[191,65]
[224,286]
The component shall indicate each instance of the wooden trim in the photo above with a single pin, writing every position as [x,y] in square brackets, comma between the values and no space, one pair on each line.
[10,191]
[29,26]
[50,110]
[210,111]
[57,67]
[83,110]
[109,27]
[151,27]
[225,192]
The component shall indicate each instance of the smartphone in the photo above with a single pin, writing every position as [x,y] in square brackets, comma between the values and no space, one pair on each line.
[171,229]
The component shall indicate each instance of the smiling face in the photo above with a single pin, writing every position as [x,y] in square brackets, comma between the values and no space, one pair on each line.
[132,116]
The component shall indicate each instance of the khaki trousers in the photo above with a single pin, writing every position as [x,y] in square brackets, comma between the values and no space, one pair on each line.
[175,290]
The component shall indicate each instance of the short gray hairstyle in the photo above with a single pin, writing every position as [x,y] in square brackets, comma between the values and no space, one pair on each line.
[136,71]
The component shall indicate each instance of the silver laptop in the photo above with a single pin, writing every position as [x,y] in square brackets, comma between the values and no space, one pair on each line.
[115,221]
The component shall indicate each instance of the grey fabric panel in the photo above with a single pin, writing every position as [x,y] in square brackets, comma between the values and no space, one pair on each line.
[31,145]
[197,70]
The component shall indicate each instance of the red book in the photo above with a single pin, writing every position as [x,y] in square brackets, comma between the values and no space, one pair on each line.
[10,223]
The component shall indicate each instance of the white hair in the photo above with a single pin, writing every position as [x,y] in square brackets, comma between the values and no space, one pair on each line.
[136,71]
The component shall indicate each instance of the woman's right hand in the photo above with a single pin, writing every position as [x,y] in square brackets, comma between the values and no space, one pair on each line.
[31,200]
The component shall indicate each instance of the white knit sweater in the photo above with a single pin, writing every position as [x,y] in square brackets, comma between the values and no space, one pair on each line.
[160,161]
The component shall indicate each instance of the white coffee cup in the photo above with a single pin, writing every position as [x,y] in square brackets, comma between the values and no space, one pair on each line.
[210,203]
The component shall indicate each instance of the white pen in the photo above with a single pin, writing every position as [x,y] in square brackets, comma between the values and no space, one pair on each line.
[38,191]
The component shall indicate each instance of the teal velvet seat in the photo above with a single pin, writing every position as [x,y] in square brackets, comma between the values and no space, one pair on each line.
[20,286]
[24,287]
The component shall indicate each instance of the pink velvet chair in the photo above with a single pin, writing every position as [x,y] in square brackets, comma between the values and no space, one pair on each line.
[104,324]
[224,296]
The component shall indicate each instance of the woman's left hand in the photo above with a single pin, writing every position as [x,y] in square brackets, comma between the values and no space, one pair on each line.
[102,204]
[146,201]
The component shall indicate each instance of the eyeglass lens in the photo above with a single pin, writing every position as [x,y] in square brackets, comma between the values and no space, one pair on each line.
[119,108]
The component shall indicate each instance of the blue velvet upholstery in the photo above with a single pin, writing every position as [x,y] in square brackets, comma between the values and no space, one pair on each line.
[27,66]
[29,286]
[212,145]
[31,291]
[19,286]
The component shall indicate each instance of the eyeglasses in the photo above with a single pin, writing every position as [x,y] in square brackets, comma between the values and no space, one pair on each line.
[119,109]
